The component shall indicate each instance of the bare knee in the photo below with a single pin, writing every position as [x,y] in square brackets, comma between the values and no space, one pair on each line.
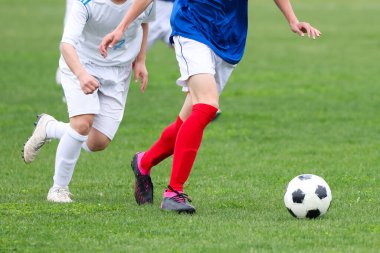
[82,123]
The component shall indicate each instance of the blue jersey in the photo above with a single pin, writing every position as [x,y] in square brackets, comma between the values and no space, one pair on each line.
[220,24]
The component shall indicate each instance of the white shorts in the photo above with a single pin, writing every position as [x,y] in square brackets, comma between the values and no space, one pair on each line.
[107,103]
[160,28]
[197,58]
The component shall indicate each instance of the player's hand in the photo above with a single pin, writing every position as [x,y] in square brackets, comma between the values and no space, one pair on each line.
[303,27]
[88,83]
[109,41]
[140,72]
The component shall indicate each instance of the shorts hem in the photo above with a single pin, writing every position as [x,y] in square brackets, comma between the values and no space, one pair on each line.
[182,81]
[78,113]
[106,133]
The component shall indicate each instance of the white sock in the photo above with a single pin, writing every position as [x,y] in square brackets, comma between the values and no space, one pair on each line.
[67,155]
[56,129]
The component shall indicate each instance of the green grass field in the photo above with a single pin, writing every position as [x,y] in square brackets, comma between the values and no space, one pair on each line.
[292,106]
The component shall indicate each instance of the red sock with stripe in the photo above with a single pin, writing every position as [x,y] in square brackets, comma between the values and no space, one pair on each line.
[163,148]
[188,141]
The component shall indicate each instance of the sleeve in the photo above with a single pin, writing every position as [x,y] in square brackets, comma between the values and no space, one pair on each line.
[76,21]
[150,13]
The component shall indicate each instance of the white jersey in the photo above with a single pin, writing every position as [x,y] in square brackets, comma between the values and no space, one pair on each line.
[90,20]
[69,3]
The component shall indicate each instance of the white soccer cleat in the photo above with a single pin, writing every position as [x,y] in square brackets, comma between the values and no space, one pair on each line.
[38,138]
[59,195]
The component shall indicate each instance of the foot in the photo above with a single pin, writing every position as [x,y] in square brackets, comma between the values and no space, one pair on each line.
[143,183]
[218,113]
[59,195]
[38,138]
[177,201]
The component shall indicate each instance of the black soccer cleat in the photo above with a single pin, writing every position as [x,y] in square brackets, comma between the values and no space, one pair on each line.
[217,115]
[178,203]
[143,184]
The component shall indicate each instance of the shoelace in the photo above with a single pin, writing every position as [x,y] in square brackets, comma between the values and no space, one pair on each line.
[63,192]
[39,145]
[180,197]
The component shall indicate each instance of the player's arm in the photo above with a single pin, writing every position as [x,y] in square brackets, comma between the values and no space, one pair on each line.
[88,83]
[139,67]
[73,29]
[137,7]
[297,27]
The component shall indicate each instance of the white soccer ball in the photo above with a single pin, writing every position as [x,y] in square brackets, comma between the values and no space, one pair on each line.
[307,196]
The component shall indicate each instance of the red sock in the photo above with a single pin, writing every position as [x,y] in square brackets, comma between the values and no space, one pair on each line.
[163,148]
[189,139]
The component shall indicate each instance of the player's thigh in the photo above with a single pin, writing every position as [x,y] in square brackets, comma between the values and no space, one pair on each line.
[203,89]
[197,66]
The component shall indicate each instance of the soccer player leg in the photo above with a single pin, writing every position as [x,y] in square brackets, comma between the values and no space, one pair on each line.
[205,100]
[164,146]
[97,141]
[69,147]
[205,105]
[103,131]
[82,109]
[197,68]
[67,155]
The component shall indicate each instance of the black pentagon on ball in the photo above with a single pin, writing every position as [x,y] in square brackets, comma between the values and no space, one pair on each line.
[312,214]
[321,192]
[305,177]
[291,212]
[298,196]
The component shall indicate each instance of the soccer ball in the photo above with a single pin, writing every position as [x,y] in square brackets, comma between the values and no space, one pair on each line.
[307,196]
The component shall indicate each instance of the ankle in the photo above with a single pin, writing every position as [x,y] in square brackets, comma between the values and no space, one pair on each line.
[171,192]
[143,171]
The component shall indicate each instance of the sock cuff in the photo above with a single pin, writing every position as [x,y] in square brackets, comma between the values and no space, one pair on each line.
[85,147]
[178,122]
[77,136]
[205,108]
[208,110]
